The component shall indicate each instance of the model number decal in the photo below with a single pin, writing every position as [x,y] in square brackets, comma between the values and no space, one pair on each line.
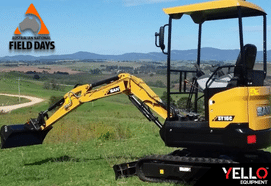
[223,118]
[263,111]
[114,90]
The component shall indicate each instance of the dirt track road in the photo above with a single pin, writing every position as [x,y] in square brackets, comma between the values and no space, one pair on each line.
[33,101]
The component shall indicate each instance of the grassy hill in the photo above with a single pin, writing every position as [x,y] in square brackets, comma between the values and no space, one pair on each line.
[82,147]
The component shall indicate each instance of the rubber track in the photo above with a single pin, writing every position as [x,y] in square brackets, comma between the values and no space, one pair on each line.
[176,160]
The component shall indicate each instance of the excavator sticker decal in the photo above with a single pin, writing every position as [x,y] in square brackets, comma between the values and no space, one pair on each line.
[114,90]
[32,24]
[39,38]
[263,111]
[248,175]
[223,118]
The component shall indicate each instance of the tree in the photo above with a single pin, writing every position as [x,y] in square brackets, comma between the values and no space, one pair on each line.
[96,71]
[164,99]
[182,102]
[53,85]
[36,76]
[46,85]
[160,84]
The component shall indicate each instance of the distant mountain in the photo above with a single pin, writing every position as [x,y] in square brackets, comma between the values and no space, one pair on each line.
[206,54]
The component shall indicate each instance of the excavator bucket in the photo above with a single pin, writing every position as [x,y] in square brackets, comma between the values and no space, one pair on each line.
[20,135]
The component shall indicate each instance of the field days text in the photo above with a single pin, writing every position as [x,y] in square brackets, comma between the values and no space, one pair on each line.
[28,45]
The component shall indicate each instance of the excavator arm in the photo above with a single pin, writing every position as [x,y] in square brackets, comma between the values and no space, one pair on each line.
[139,93]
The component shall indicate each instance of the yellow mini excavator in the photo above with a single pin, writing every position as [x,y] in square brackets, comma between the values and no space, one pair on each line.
[237,109]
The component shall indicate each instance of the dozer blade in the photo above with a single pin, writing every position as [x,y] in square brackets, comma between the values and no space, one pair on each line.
[125,169]
[20,135]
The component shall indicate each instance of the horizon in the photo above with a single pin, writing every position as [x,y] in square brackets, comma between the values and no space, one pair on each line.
[207,54]
[52,54]
[118,27]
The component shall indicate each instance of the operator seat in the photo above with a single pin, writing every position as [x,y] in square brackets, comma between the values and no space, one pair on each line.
[239,79]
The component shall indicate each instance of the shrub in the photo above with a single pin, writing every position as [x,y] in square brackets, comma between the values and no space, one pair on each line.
[46,85]
[182,102]
[158,83]
[164,99]
[53,85]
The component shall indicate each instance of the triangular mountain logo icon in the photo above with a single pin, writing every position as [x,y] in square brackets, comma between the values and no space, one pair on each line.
[32,24]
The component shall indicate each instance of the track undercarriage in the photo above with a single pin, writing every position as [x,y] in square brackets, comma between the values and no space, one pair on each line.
[185,166]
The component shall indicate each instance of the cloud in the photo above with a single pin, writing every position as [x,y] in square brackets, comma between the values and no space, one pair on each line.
[141,2]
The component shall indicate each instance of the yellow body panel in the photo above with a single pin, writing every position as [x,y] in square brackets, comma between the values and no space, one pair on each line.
[239,105]
[232,102]
[214,9]
[259,99]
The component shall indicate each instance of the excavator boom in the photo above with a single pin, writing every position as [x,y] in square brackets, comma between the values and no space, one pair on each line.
[35,130]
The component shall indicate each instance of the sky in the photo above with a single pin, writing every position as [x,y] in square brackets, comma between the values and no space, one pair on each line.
[123,26]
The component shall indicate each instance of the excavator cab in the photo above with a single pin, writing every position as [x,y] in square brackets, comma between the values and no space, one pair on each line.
[237,110]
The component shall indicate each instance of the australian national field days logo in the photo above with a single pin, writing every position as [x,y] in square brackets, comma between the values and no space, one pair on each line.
[39,40]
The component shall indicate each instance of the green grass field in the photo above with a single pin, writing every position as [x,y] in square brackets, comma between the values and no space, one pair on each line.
[82,147]
[8,100]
